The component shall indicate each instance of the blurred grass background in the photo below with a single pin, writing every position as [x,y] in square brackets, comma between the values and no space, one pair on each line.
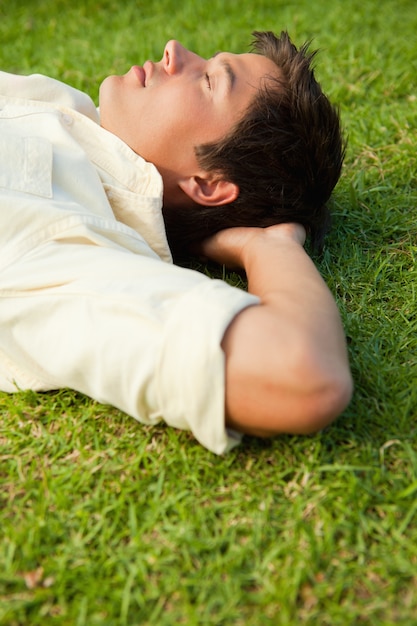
[106,522]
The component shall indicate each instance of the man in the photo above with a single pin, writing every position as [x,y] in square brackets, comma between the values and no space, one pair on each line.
[87,301]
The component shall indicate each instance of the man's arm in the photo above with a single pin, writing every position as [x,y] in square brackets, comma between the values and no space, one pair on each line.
[287,369]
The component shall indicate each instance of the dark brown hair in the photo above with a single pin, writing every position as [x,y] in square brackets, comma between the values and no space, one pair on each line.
[285,154]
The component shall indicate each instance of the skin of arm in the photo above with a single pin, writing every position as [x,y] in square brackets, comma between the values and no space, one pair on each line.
[287,368]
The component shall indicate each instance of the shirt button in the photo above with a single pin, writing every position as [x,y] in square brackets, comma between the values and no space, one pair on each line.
[67,119]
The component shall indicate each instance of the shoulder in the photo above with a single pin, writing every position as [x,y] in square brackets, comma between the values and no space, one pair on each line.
[38,87]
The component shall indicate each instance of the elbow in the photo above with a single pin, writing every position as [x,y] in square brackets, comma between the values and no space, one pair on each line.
[301,398]
[303,409]
[278,411]
[325,403]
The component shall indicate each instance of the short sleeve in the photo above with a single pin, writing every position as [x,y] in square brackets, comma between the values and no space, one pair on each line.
[127,330]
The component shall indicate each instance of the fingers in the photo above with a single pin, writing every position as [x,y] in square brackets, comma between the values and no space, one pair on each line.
[228,246]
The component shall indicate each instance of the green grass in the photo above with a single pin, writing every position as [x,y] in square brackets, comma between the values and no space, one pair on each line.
[106,522]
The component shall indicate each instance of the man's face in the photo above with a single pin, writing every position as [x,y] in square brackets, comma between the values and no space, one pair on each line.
[163,110]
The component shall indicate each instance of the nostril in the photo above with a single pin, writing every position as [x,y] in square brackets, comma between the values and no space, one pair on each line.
[170,57]
[167,59]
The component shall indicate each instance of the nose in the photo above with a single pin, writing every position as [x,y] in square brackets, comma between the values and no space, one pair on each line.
[176,56]
[173,54]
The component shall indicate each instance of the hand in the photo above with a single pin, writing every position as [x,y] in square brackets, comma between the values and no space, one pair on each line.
[230,246]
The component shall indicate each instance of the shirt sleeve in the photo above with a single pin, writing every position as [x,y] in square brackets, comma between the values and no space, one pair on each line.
[127,330]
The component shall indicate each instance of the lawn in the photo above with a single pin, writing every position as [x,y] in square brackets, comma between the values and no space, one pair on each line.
[104,522]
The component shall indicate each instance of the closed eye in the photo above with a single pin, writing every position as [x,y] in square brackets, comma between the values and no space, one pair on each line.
[207,79]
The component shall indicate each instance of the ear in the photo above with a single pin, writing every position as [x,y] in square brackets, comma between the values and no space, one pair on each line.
[209,191]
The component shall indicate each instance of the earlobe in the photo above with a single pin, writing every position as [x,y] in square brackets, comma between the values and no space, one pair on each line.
[209,191]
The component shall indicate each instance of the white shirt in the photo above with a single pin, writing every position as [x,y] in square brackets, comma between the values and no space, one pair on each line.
[89,298]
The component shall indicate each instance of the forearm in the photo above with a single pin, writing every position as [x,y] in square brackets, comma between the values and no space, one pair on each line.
[286,361]
[296,300]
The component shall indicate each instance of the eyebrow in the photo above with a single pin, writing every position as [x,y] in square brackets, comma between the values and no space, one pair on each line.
[231,76]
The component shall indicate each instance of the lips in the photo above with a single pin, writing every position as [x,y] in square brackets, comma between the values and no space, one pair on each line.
[140,74]
[148,68]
